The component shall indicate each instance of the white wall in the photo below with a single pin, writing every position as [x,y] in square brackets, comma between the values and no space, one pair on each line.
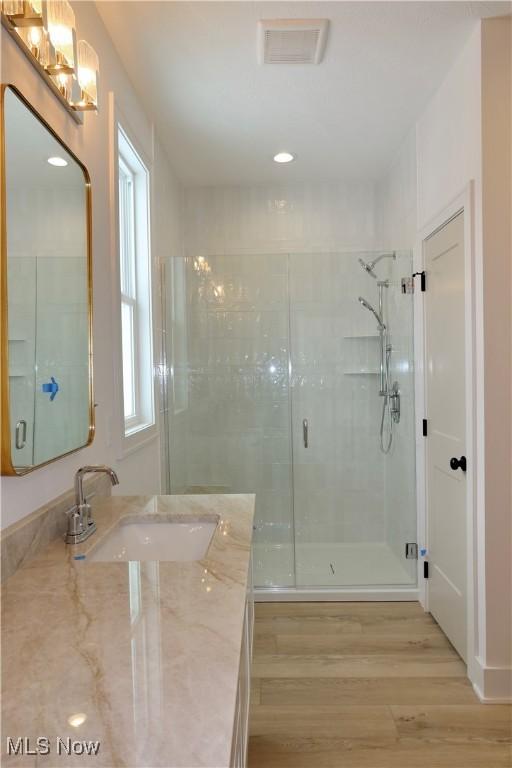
[497,301]
[140,471]
[451,152]
[449,135]
[395,199]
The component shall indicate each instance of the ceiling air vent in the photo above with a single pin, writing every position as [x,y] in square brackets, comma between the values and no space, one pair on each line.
[292,41]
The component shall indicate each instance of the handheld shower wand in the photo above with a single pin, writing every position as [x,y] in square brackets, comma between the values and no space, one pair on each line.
[391,401]
[367,305]
[383,340]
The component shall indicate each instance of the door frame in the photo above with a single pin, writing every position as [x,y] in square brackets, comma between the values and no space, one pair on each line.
[463,202]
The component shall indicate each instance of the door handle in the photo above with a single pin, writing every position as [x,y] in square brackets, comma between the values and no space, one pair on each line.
[21,434]
[305,433]
[459,463]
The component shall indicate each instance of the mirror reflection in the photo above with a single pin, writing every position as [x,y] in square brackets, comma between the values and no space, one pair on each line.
[47,266]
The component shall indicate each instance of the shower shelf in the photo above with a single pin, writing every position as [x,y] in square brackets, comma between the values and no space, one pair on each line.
[361,373]
[363,336]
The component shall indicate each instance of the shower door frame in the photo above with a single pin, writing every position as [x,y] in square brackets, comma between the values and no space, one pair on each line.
[324,593]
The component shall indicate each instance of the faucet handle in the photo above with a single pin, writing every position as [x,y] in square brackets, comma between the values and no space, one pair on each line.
[85,511]
[75,522]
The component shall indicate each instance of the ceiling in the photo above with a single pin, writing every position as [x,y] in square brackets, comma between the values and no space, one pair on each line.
[221,116]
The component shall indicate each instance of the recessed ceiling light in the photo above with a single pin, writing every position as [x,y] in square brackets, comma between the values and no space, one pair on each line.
[283,157]
[57,161]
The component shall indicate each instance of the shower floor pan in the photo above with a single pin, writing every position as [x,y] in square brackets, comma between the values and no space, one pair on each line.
[363,567]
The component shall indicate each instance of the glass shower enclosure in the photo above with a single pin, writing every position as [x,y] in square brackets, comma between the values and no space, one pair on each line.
[275,389]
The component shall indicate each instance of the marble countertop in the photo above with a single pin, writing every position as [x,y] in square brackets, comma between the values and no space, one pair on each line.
[147,652]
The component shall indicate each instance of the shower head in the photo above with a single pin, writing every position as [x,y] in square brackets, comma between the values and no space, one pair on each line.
[368,306]
[369,266]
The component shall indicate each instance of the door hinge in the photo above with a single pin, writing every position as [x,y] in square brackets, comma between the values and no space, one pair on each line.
[407,284]
[425,569]
[425,428]
[411,550]
[423,277]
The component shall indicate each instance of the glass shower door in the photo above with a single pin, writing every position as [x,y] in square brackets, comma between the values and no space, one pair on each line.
[230,402]
[354,505]
[274,390]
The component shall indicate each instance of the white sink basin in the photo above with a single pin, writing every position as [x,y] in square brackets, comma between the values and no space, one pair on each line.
[155,540]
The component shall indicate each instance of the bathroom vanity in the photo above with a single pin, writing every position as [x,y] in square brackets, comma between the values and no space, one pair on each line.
[149,657]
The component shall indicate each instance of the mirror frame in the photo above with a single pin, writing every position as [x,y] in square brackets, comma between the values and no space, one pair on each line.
[6,465]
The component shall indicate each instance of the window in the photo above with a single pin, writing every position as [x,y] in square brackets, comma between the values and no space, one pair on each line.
[135,276]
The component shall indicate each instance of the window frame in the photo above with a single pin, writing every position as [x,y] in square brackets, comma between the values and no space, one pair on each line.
[129,296]
[141,426]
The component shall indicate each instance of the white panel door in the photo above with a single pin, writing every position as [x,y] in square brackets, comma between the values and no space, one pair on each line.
[446,441]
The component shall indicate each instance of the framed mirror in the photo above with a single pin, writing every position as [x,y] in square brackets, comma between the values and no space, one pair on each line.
[46,273]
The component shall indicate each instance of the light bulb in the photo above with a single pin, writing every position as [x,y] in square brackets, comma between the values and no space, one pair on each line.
[63,82]
[36,39]
[35,35]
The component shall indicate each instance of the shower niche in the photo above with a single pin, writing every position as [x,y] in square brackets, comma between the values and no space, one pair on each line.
[283,385]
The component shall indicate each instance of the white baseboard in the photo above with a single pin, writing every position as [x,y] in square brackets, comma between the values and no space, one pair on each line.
[493,685]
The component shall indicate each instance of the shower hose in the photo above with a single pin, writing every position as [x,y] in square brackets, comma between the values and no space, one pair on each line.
[386,441]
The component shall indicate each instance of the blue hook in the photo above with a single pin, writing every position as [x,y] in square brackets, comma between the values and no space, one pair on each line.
[51,387]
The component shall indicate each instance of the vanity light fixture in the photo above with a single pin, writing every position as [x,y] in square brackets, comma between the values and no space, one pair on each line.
[58,162]
[23,13]
[45,32]
[284,157]
[36,39]
[61,30]
[13,8]
[88,66]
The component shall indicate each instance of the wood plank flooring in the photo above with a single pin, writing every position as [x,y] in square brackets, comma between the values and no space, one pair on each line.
[366,685]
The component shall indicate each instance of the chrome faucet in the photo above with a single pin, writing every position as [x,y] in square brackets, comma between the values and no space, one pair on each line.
[80,523]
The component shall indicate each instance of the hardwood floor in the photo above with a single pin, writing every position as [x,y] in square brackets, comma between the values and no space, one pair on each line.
[366,685]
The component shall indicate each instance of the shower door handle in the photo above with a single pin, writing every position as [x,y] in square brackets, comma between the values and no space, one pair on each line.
[305,431]
[21,434]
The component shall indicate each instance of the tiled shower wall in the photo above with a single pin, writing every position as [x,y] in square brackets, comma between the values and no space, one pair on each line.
[293,218]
